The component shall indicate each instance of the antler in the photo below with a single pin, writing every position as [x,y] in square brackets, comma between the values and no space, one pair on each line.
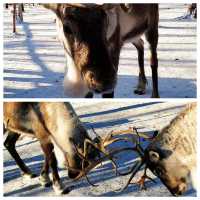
[130,130]
[101,145]
[84,158]
[111,138]
[138,166]
[100,160]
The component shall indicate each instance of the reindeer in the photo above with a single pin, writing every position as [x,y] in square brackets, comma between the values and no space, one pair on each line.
[192,10]
[171,155]
[93,35]
[62,137]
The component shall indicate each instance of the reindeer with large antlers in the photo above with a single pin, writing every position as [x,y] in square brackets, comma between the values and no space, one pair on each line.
[55,125]
[171,155]
[62,137]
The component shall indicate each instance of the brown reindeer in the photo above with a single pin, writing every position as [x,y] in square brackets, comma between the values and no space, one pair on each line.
[61,135]
[63,139]
[93,36]
[192,10]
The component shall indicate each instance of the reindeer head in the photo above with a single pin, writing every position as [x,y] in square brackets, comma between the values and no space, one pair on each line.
[84,154]
[83,30]
[77,151]
[168,166]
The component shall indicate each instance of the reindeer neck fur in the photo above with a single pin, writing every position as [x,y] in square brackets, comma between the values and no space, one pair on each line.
[66,126]
[180,136]
[49,122]
[74,86]
[181,132]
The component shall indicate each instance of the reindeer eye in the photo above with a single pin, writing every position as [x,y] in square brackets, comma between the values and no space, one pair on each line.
[159,172]
[183,179]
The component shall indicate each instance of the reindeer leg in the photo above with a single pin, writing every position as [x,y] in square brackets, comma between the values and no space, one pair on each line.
[22,7]
[142,81]
[44,175]
[89,95]
[52,162]
[10,146]
[108,95]
[152,37]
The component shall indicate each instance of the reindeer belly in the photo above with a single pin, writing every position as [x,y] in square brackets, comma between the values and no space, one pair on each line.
[131,26]
[18,118]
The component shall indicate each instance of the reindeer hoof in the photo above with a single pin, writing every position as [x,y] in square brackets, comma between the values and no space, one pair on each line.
[59,190]
[139,91]
[47,184]
[45,181]
[155,96]
[89,95]
[66,190]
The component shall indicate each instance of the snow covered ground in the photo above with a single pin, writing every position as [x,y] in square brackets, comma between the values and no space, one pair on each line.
[104,116]
[34,59]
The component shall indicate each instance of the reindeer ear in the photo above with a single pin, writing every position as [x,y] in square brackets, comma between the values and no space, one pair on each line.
[154,156]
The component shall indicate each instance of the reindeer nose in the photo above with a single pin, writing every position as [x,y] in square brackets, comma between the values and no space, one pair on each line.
[99,83]
[180,189]
[72,174]
[92,81]
[90,77]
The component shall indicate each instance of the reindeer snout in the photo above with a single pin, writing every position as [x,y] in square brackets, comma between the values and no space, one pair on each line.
[73,174]
[180,189]
[99,83]
[90,78]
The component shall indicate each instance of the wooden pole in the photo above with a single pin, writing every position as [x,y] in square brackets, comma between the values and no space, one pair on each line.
[14,18]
